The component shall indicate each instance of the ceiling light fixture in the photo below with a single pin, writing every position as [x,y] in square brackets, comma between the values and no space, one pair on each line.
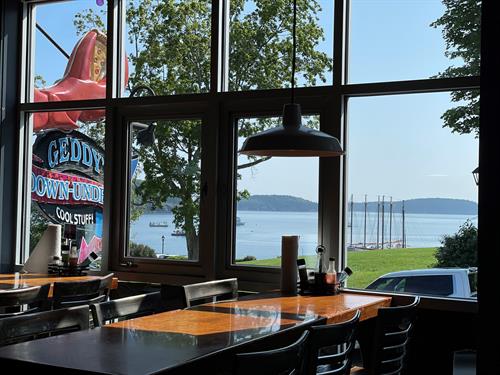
[292,139]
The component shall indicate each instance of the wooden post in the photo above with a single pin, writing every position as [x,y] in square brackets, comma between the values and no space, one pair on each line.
[289,253]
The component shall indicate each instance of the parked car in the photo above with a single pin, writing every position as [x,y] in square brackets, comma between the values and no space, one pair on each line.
[443,282]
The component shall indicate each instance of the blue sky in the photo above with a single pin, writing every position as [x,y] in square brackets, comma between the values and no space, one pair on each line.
[397,145]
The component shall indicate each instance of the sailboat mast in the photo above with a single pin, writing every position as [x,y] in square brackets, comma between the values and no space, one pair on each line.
[378,219]
[383,219]
[390,224]
[404,234]
[364,235]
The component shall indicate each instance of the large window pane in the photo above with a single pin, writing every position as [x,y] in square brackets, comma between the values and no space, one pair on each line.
[165,171]
[260,44]
[276,197]
[168,46]
[69,56]
[392,40]
[67,178]
[412,197]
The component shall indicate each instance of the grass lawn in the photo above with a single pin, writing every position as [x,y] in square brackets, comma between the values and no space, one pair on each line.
[370,264]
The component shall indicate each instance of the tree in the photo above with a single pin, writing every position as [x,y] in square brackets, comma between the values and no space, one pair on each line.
[171,54]
[141,251]
[461,24]
[460,249]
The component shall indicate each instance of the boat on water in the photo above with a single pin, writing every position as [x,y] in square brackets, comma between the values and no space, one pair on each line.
[238,221]
[178,232]
[158,224]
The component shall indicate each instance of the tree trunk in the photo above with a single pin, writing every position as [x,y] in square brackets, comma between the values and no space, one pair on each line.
[193,242]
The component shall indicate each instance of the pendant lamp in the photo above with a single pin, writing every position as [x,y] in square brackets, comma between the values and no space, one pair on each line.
[292,139]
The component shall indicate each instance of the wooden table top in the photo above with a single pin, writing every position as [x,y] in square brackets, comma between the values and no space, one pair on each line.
[170,341]
[23,280]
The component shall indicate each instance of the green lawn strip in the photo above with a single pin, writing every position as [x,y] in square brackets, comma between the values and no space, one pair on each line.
[370,264]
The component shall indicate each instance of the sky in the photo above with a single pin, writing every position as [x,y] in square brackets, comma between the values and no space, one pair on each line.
[396,144]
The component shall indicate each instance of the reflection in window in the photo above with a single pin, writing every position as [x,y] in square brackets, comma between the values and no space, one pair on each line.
[275,197]
[260,51]
[412,197]
[70,51]
[165,171]
[67,178]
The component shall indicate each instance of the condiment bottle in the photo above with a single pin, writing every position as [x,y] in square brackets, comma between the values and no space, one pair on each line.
[320,259]
[331,274]
[73,255]
[65,253]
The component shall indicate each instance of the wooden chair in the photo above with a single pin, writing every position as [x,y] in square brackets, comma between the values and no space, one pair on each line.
[28,327]
[34,298]
[127,308]
[331,346]
[390,341]
[211,291]
[283,361]
[76,293]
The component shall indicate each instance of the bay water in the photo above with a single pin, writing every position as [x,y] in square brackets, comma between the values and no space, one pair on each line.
[260,232]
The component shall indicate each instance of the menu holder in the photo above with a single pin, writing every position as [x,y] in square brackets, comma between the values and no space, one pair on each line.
[66,270]
[318,287]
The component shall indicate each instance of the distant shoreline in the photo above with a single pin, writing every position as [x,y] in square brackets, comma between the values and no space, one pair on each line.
[287,203]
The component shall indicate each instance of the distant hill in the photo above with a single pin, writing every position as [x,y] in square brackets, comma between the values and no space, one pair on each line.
[285,203]
[426,206]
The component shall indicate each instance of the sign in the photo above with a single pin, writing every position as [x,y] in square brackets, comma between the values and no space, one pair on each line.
[67,177]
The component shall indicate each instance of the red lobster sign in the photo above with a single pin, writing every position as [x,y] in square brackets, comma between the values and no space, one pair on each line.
[84,78]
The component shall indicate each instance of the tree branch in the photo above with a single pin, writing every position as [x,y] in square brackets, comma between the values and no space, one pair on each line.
[253,163]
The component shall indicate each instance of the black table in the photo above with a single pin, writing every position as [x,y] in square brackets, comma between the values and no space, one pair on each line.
[201,339]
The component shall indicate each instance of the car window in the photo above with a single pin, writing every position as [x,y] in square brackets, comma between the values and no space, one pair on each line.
[385,284]
[438,285]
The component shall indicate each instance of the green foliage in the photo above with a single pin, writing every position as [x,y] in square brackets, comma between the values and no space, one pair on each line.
[39,224]
[461,23]
[140,250]
[460,249]
[88,20]
[39,81]
[247,258]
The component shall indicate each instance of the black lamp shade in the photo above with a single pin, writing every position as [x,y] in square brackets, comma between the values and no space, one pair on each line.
[292,139]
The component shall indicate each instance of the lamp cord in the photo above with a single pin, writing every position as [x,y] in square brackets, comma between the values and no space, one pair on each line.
[294,45]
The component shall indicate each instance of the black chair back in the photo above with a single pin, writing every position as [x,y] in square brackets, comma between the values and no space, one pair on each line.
[210,291]
[283,361]
[28,327]
[127,308]
[105,285]
[392,334]
[76,293]
[34,297]
[331,346]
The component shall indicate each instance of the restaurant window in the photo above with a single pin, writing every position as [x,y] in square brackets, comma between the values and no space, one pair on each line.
[412,199]
[68,51]
[66,180]
[406,40]
[164,194]
[260,44]
[167,46]
[274,197]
